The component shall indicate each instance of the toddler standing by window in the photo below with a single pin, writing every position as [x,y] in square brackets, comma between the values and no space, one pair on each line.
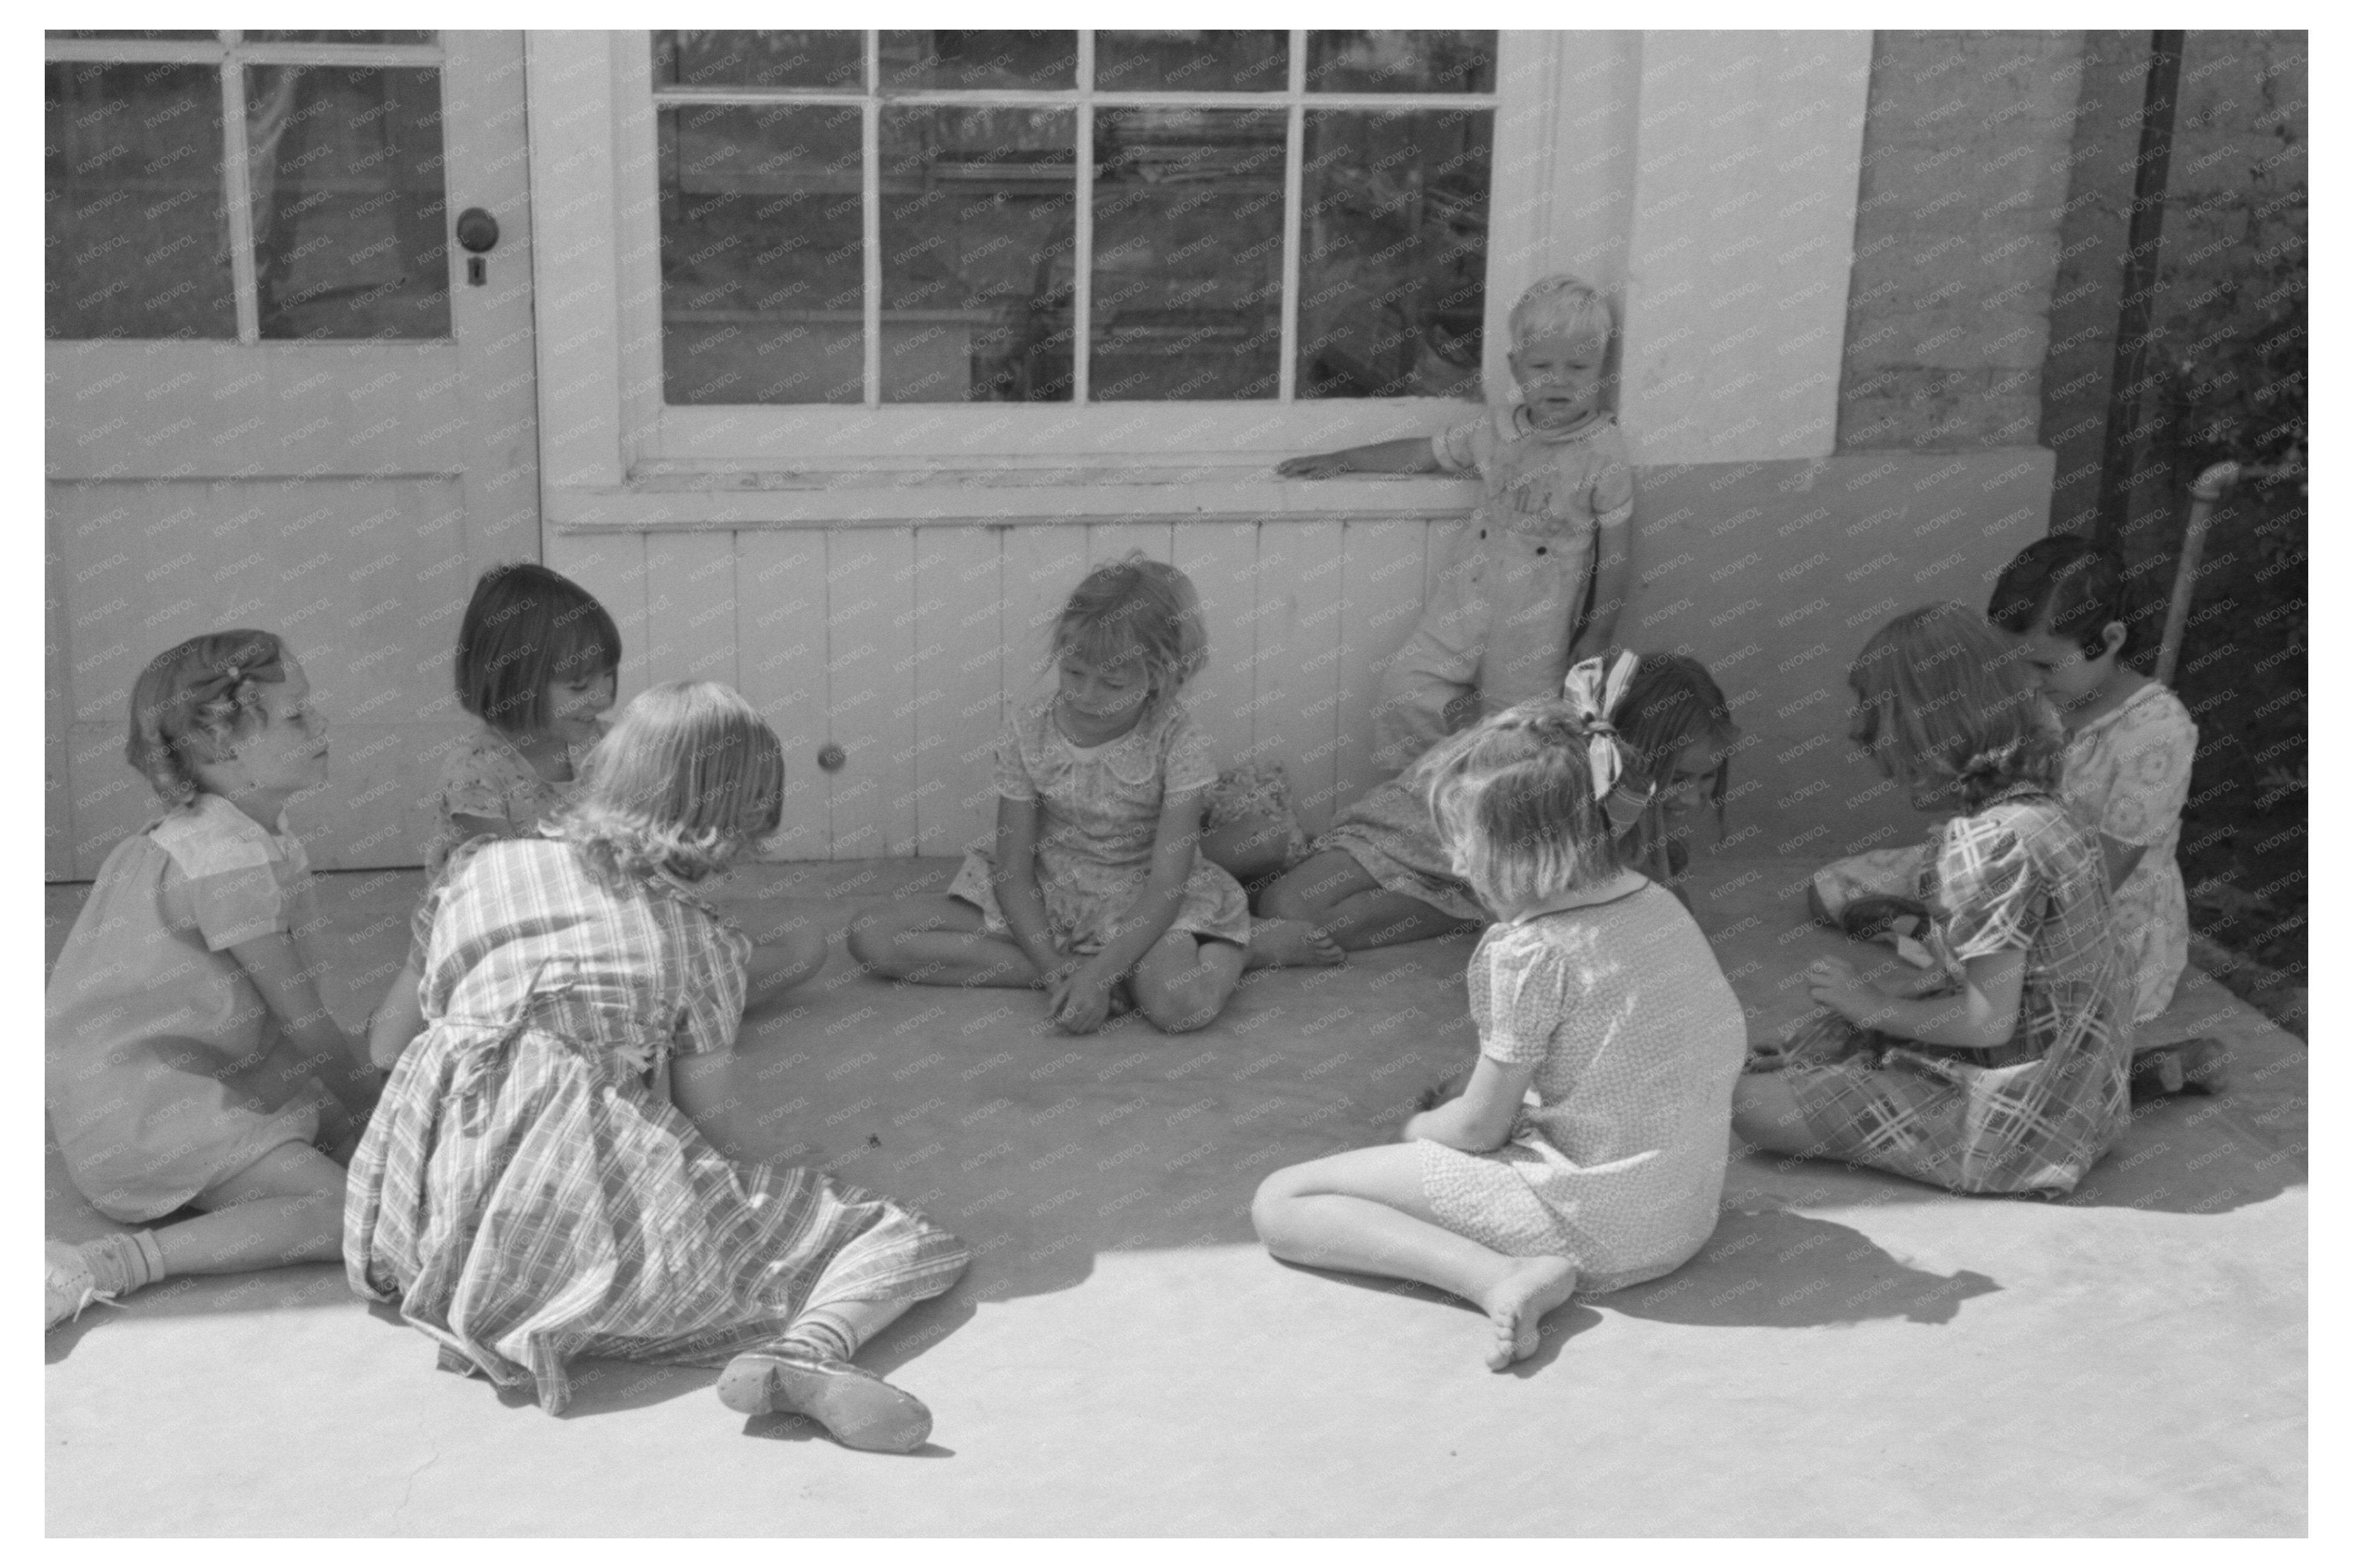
[1554,528]
[2002,1068]
[190,1060]
[1588,1150]
[1093,886]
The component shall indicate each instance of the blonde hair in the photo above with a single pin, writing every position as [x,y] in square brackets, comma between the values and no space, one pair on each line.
[1941,695]
[195,702]
[1561,306]
[1512,802]
[1134,609]
[686,780]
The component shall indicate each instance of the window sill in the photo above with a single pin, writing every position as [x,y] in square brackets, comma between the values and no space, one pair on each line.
[673,498]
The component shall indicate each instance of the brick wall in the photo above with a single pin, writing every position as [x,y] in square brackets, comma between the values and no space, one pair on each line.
[1965,175]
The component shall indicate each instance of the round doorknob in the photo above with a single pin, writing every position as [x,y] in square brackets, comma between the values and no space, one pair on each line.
[831,757]
[478,231]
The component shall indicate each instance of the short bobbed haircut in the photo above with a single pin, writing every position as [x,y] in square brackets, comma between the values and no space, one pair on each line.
[1672,702]
[526,628]
[2067,585]
[1512,801]
[686,780]
[1139,610]
[1561,305]
[195,702]
[1941,697]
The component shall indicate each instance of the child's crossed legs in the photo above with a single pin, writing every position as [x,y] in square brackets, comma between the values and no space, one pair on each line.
[1365,1211]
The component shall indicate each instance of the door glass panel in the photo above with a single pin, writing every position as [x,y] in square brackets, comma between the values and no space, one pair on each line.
[1393,252]
[761,254]
[1188,254]
[350,232]
[784,60]
[976,242]
[1402,62]
[965,61]
[1192,61]
[136,243]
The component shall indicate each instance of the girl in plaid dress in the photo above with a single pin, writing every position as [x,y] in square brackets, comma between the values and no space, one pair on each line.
[1586,1152]
[527,1190]
[2002,1068]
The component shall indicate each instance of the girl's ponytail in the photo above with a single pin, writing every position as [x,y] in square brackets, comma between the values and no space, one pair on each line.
[192,700]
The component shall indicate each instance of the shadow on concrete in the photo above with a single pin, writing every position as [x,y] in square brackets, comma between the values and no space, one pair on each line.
[1772,1267]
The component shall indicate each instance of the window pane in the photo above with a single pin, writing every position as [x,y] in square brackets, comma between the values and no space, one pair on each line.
[1192,61]
[763,277]
[1393,253]
[976,237]
[1188,254]
[105,33]
[273,37]
[802,59]
[1402,62]
[137,243]
[966,61]
[350,232]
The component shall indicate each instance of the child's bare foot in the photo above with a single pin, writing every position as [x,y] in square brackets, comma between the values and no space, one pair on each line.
[1277,943]
[1516,1306]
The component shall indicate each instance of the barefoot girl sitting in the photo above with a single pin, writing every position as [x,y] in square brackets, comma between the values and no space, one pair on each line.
[1380,875]
[1588,1150]
[1093,886]
[527,1189]
[2000,1068]
[190,1061]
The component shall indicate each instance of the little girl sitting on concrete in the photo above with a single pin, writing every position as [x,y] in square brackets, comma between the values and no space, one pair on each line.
[1588,1150]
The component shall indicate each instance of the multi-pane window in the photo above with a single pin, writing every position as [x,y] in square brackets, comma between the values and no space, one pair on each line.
[904,217]
[246,185]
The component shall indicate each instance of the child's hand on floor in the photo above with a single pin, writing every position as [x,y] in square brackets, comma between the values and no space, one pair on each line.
[1079,1003]
[1315,466]
[1840,986]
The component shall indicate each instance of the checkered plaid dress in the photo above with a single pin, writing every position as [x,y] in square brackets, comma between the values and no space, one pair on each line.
[2035,1114]
[528,1198]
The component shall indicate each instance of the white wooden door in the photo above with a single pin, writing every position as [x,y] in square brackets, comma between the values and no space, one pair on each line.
[279,393]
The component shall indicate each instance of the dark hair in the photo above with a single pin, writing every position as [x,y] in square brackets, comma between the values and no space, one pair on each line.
[1670,702]
[194,701]
[527,628]
[2066,585]
[1512,802]
[1940,695]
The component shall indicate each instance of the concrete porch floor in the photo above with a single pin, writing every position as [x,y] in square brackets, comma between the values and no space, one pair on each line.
[1853,1354]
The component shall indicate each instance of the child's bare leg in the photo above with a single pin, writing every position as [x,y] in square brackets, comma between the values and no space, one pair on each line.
[1331,891]
[1183,981]
[937,941]
[1365,1211]
[1252,849]
[1766,1115]
[788,950]
[1280,943]
[286,1207]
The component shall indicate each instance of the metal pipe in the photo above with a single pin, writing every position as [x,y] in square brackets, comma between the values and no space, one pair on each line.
[2205,491]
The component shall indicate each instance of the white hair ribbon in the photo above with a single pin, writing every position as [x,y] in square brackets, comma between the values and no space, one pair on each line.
[1595,697]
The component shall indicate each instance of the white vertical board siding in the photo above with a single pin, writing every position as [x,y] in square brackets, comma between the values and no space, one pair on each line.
[959,684]
[869,580]
[780,635]
[906,646]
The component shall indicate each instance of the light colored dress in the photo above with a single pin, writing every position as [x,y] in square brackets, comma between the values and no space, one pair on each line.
[1099,817]
[2127,775]
[484,776]
[1503,615]
[2036,1113]
[154,1024]
[1619,1164]
[527,1191]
